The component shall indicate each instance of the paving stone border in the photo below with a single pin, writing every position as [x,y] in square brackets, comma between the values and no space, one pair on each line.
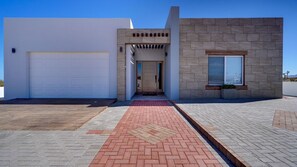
[233,157]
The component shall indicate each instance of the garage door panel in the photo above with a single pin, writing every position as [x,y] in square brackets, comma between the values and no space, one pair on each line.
[69,75]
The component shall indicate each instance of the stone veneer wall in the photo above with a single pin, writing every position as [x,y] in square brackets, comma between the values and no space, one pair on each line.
[262,38]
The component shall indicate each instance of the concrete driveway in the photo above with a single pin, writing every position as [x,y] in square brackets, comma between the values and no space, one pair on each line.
[49,114]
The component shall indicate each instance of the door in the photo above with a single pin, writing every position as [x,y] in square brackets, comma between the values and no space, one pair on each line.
[149,72]
[149,77]
[69,75]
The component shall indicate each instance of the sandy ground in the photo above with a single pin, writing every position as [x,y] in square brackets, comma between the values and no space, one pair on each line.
[48,114]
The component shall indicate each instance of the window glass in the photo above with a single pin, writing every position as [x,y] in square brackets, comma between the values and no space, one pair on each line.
[233,70]
[139,76]
[216,70]
[160,75]
[139,70]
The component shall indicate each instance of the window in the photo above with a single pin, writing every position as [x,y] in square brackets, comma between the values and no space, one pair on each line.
[216,70]
[233,68]
[160,69]
[225,70]
[139,76]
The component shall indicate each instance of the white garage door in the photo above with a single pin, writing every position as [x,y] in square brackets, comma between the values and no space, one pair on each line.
[69,75]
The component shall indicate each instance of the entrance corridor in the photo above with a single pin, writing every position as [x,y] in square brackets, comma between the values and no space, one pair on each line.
[151,133]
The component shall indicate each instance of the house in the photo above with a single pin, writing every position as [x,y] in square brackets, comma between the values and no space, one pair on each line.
[108,58]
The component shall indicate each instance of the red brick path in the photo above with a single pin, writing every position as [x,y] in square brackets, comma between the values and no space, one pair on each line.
[285,120]
[182,148]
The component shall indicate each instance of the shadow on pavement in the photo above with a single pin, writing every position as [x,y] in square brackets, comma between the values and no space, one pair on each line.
[224,100]
[90,102]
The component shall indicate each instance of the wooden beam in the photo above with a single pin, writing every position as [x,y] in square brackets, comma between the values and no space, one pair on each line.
[226,52]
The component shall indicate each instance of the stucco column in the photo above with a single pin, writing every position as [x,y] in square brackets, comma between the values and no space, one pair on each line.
[173,55]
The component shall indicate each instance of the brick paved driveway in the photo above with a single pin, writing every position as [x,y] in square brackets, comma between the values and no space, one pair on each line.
[261,132]
[152,133]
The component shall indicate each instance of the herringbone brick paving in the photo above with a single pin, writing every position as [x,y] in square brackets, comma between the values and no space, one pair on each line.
[181,149]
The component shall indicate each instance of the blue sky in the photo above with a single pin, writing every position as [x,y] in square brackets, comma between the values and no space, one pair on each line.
[153,14]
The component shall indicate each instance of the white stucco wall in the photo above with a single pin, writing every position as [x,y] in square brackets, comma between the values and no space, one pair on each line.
[130,73]
[1,92]
[150,54]
[172,60]
[56,35]
[290,88]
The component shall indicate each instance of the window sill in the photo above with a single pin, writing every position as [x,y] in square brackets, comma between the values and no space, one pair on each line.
[213,87]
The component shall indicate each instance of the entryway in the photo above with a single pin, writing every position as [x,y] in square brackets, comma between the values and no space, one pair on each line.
[149,77]
[146,70]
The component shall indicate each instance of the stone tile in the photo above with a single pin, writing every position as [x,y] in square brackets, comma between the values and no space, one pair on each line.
[152,133]
[246,127]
